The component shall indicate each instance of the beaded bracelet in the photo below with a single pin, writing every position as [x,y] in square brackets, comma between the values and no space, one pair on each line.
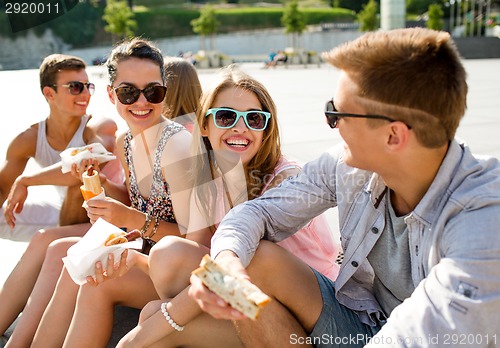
[145,227]
[170,320]
[155,228]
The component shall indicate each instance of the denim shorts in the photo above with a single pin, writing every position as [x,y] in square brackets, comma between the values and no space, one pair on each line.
[338,326]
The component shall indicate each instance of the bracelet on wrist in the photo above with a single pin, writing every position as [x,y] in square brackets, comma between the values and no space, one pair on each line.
[155,228]
[171,321]
[145,227]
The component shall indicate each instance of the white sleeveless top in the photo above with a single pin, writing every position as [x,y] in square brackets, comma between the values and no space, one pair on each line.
[45,155]
[44,202]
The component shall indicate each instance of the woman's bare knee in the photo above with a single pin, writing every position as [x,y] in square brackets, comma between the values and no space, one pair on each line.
[170,263]
[268,257]
[42,238]
[56,251]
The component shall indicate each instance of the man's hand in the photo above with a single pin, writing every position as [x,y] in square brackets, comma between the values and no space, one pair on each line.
[212,303]
[15,201]
[78,170]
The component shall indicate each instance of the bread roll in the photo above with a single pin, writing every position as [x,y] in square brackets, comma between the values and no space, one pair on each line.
[91,184]
[122,237]
[240,293]
[116,238]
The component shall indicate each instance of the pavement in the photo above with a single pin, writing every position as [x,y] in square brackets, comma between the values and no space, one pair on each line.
[300,94]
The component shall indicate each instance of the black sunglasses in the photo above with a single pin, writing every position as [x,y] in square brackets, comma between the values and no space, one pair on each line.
[333,116]
[225,118]
[129,94]
[76,87]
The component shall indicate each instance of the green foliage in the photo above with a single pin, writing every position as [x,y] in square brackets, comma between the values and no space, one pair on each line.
[355,5]
[435,17]
[293,19]
[368,16]
[207,23]
[82,26]
[4,24]
[248,18]
[159,23]
[421,6]
[120,18]
[320,15]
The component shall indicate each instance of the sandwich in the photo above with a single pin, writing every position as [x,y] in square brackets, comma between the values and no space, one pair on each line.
[239,292]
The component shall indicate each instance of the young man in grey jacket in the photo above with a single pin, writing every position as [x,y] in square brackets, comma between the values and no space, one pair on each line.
[419,214]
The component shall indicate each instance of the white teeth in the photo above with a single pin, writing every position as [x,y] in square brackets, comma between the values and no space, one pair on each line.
[237,142]
[81,103]
[140,112]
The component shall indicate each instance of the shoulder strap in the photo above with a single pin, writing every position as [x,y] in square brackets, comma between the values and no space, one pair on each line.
[283,165]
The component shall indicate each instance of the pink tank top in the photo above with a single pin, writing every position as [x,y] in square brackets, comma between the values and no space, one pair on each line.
[314,243]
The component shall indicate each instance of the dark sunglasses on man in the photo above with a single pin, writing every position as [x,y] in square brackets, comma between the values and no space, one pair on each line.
[226,118]
[333,116]
[76,87]
[129,94]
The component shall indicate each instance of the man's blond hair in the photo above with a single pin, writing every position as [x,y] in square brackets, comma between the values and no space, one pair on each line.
[414,75]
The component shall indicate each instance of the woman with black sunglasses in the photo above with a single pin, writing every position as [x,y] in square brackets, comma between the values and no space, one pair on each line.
[151,151]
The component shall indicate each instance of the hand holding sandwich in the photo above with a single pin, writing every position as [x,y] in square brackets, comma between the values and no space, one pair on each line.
[211,302]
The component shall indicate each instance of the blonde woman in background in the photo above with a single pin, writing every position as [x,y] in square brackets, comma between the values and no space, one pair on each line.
[184,91]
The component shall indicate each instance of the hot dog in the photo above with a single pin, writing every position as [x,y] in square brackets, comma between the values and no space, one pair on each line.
[91,183]
[122,237]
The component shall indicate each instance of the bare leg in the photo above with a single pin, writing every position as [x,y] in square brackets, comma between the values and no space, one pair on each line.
[182,257]
[171,262]
[17,288]
[92,322]
[203,331]
[55,321]
[295,309]
[72,211]
[41,294]
[297,298]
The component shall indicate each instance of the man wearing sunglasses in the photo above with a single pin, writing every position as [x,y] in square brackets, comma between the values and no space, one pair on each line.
[419,214]
[65,85]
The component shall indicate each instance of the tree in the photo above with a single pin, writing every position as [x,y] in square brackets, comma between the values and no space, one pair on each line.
[419,7]
[206,25]
[120,19]
[368,16]
[293,21]
[435,20]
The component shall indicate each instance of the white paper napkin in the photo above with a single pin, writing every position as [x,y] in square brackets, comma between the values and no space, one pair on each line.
[101,196]
[82,257]
[76,154]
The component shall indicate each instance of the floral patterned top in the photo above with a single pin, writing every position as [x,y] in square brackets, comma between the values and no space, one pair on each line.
[159,203]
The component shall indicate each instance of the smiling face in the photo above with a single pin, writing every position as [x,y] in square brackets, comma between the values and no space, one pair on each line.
[238,139]
[362,143]
[62,101]
[139,73]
